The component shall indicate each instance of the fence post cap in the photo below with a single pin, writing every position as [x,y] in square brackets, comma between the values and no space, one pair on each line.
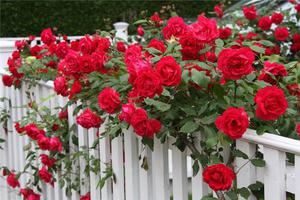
[7,44]
[119,25]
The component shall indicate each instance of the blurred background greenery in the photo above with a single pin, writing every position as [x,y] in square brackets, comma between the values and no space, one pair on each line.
[23,18]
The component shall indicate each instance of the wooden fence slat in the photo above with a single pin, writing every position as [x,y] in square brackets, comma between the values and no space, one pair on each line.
[160,171]
[131,165]
[247,174]
[179,171]
[274,174]
[118,168]
[199,188]
[146,176]
[94,178]
[297,177]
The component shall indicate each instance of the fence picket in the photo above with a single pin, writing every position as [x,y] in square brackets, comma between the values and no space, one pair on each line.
[179,159]
[274,174]
[118,168]
[131,165]
[160,171]
[247,174]
[297,177]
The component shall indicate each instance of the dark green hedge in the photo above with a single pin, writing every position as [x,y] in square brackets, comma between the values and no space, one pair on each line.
[22,18]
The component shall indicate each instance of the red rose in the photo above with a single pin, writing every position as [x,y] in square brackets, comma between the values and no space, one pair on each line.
[47,36]
[235,63]
[250,12]
[85,64]
[297,8]
[281,33]
[12,181]
[29,194]
[294,89]
[109,100]
[190,46]
[218,10]
[156,19]
[276,69]
[49,162]
[140,30]
[277,17]
[100,43]
[142,125]
[85,45]
[75,89]
[61,86]
[264,23]
[148,83]
[45,175]
[20,44]
[218,177]
[298,129]
[43,142]
[233,122]
[75,45]
[7,80]
[19,129]
[70,65]
[87,119]
[35,51]
[205,29]
[62,50]
[296,37]
[127,111]
[63,114]
[175,27]
[55,144]
[33,132]
[87,196]
[156,44]
[210,56]
[169,71]
[225,33]
[271,103]
[121,46]
[98,59]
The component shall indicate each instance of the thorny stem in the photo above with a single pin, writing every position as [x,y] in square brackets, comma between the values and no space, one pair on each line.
[220,195]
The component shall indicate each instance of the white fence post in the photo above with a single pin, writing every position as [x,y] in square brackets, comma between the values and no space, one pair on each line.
[121,30]
[6,49]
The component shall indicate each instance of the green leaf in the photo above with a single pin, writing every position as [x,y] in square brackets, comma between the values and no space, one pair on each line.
[219,42]
[244,192]
[196,168]
[149,142]
[232,195]
[208,198]
[266,43]
[257,49]
[200,78]
[153,51]
[158,104]
[189,127]
[258,162]
[256,186]
[240,154]
[211,142]
[142,21]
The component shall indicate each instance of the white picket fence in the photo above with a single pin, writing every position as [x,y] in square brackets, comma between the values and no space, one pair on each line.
[169,172]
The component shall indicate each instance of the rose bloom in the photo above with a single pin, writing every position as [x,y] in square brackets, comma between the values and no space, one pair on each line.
[205,29]
[281,33]
[85,45]
[140,30]
[45,175]
[294,89]
[55,144]
[121,46]
[297,8]
[100,43]
[70,64]
[63,114]
[7,80]
[235,63]
[190,46]
[142,125]
[98,59]
[109,100]
[175,27]
[250,12]
[33,132]
[75,89]
[127,111]
[298,129]
[276,69]
[35,50]
[233,122]
[18,128]
[264,23]
[61,86]
[277,17]
[148,83]
[85,64]
[12,181]
[156,19]
[62,50]
[43,142]
[87,196]
[47,36]
[87,119]
[169,71]
[29,194]
[156,44]
[218,177]
[271,103]
[225,33]
[46,160]
[218,10]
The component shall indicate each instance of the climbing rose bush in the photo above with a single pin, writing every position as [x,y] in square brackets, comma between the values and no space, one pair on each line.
[176,80]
